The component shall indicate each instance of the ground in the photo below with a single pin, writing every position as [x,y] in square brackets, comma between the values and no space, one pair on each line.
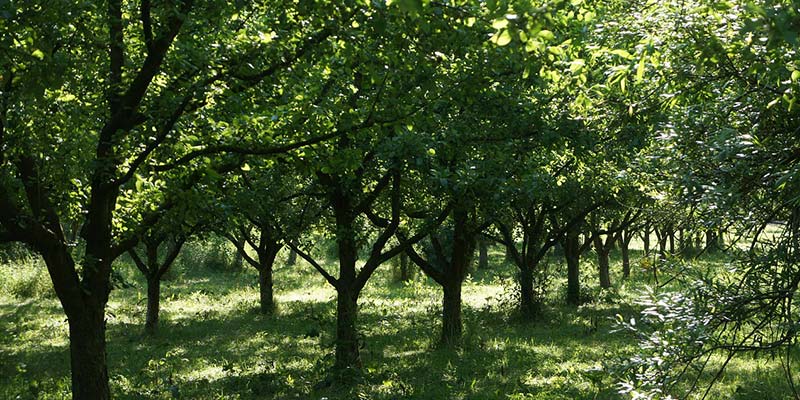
[213,343]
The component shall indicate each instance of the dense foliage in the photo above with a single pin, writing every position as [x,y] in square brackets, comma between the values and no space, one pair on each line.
[415,130]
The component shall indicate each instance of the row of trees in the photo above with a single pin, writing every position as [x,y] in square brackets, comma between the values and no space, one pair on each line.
[407,128]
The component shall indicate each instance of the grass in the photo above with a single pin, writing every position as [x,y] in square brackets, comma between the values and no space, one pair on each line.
[213,344]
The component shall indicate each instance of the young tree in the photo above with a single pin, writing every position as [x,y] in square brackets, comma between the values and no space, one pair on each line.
[269,205]
[154,269]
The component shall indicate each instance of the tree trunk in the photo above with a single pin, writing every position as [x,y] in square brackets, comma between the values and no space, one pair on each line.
[646,241]
[572,255]
[603,265]
[483,254]
[347,355]
[711,241]
[529,306]
[292,259]
[671,236]
[266,299]
[662,247]
[602,250]
[87,345]
[153,304]
[267,254]
[626,258]
[451,312]
[406,272]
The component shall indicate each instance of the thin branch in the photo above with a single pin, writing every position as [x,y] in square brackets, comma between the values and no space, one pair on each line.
[171,256]
[328,277]
[139,262]
[243,150]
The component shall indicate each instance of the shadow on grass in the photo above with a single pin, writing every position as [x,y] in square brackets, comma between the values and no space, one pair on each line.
[213,344]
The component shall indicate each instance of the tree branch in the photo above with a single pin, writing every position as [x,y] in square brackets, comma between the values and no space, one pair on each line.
[328,277]
[139,263]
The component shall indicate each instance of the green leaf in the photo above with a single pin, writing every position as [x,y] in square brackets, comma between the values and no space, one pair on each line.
[546,35]
[576,65]
[795,75]
[640,71]
[500,23]
[622,53]
[503,38]
[38,54]
[409,6]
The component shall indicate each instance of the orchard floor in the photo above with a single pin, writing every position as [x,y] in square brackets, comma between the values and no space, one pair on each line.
[213,344]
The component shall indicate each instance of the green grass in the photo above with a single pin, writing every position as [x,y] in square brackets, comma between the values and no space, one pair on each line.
[213,344]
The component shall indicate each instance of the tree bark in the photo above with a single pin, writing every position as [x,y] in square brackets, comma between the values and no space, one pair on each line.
[266,258]
[603,265]
[662,246]
[603,250]
[153,304]
[671,236]
[483,254]
[572,255]
[406,272]
[266,299]
[452,326]
[87,345]
[626,258]
[347,354]
[529,307]
[646,241]
[292,259]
